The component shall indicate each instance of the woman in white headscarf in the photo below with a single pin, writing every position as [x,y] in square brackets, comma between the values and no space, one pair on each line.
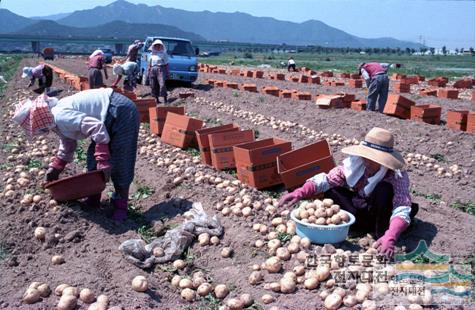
[158,70]
[370,185]
[43,73]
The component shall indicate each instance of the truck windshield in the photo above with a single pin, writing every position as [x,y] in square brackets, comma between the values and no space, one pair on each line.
[175,47]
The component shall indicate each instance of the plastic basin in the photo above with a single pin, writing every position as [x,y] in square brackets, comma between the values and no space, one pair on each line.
[322,234]
[78,186]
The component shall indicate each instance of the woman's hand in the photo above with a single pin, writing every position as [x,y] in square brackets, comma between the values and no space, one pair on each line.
[307,190]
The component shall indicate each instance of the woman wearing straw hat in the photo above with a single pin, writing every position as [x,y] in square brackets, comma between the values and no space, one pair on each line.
[130,69]
[96,64]
[370,185]
[109,119]
[43,73]
[158,70]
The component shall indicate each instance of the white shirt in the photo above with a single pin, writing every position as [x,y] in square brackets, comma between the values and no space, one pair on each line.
[158,59]
[291,62]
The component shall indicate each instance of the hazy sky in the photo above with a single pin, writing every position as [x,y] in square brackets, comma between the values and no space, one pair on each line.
[438,22]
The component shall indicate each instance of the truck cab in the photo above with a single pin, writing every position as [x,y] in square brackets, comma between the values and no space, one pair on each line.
[182,59]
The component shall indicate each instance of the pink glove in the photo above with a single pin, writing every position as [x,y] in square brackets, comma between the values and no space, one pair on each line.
[58,164]
[385,244]
[102,156]
[307,190]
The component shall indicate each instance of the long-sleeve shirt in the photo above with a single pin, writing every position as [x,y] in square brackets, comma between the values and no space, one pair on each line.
[96,61]
[158,59]
[131,69]
[371,69]
[79,117]
[401,200]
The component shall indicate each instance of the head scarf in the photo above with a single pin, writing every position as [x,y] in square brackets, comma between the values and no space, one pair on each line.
[35,117]
[96,52]
[27,72]
[117,69]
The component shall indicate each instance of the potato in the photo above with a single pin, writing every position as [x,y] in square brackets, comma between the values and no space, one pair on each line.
[274,244]
[344,216]
[328,212]
[58,291]
[226,252]
[246,299]
[204,289]
[197,281]
[327,202]
[401,308]
[333,301]
[176,280]
[188,294]
[335,209]
[221,291]
[361,295]
[267,299]
[35,285]
[303,214]
[140,284]
[323,272]
[158,252]
[305,243]
[185,283]
[295,239]
[415,307]
[310,283]
[40,233]
[283,253]
[320,212]
[214,240]
[287,285]
[293,247]
[73,291]
[179,264]
[324,294]
[255,277]
[277,221]
[299,270]
[44,290]
[67,302]
[335,219]
[259,244]
[302,256]
[103,299]
[349,301]
[235,304]
[330,283]
[273,264]
[368,305]
[57,259]
[31,296]
[87,296]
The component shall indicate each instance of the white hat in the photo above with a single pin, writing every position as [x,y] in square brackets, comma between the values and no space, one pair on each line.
[96,52]
[27,72]
[156,42]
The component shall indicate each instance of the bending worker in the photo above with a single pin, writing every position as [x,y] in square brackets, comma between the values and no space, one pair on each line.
[130,69]
[371,186]
[376,76]
[43,73]
[110,119]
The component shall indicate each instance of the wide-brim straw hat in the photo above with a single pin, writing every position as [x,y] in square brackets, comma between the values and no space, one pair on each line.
[378,146]
[156,42]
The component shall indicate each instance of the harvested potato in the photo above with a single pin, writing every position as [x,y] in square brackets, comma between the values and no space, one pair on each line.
[333,301]
[140,284]
[188,294]
[226,252]
[274,243]
[255,277]
[273,264]
[57,259]
[267,299]
[176,280]
[40,233]
[73,291]
[287,285]
[58,291]
[214,240]
[305,243]
[246,299]
[87,296]
[340,291]
[204,289]
[323,272]
[158,252]
[67,302]
[221,291]
[327,202]
[415,307]
[235,304]
[349,301]
[283,253]
[299,270]
[179,264]
[368,305]
[203,239]
[310,283]
[44,290]
[185,283]
[31,296]
[293,247]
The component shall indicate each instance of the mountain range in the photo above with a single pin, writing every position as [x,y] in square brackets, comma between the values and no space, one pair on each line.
[235,27]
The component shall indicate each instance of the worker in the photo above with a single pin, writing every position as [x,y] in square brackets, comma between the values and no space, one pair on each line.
[133,51]
[158,70]
[291,64]
[109,119]
[376,76]
[370,185]
[96,64]
[130,69]
[43,73]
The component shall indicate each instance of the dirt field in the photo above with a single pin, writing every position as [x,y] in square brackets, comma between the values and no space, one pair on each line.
[89,240]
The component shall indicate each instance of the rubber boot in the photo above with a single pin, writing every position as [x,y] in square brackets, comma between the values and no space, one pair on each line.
[93,202]
[165,99]
[120,209]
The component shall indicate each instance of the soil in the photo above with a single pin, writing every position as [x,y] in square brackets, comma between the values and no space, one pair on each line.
[89,240]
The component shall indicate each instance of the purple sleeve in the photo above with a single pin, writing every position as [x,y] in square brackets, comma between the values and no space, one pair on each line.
[66,149]
[402,196]
[95,129]
[336,177]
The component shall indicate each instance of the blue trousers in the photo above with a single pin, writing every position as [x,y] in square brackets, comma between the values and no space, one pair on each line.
[378,92]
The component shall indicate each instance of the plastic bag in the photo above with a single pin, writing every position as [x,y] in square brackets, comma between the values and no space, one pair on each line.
[174,242]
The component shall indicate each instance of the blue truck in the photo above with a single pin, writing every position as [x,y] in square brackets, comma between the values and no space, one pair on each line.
[183,63]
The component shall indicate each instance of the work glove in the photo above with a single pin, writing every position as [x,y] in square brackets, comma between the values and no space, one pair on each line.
[55,168]
[386,244]
[102,155]
[307,190]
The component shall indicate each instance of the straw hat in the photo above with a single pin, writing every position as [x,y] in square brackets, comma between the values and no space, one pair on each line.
[156,42]
[378,146]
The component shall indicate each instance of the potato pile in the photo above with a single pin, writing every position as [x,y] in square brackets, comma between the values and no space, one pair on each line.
[321,212]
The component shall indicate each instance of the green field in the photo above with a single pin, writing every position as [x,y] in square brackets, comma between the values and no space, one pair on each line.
[8,67]
[429,66]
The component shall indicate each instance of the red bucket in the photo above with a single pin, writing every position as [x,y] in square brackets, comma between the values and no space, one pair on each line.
[78,186]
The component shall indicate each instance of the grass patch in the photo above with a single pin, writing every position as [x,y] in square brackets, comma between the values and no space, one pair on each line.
[439,157]
[189,256]
[9,65]
[3,251]
[142,192]
[232,172]
[272,194]
[435,198]
[10,146]
[34,163]
[192,151]
[80,154]
[5,166]
[212,120]
[261,99]
[235,94]
[467,207]
[284,237]
[420,259]
[209,302]
[147,233]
